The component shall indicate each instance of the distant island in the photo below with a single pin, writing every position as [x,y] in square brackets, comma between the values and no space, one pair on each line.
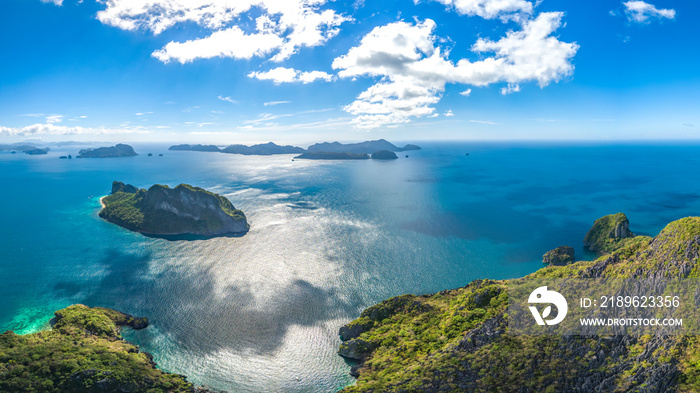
[83,352]
[37,151]
[265,149]
[120,150]
[350,151]
[384,155]
[17,147]
[324,155]
[162,210]
[195,148]
[367,147]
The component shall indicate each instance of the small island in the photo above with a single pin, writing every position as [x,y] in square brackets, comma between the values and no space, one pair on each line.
[120,150]
[37,151]
[367,147]
[384,155]
[326,155]
[83,352]
[163,211]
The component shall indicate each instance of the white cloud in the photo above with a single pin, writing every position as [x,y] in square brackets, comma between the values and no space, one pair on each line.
[54,2]
[54,119]
[281,75]
[641,12]
[142,113]
[490,9]
[271,103]
[281,26]
[414,70]
[483,122]
[53,129]
[227,99]
[449,113]
[466,93]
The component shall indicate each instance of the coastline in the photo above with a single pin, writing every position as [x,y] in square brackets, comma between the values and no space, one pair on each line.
[102,202]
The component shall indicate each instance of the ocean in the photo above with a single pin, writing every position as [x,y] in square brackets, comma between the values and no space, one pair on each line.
[261,312]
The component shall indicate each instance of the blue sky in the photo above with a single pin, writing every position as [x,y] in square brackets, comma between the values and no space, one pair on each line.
[302,71]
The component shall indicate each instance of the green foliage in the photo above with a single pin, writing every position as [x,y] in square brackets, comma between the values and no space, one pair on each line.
[162,210]
[83,352]
[416,343]
[602,235]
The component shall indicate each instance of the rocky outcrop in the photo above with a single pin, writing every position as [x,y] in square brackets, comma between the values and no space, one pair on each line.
[119,150]
[162,210]
[560,256]
[607,232]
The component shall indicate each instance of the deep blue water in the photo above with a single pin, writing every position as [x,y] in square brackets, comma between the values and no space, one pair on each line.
[261,312]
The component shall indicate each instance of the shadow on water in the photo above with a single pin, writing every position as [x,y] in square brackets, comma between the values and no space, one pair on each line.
[189,306]
[192,237]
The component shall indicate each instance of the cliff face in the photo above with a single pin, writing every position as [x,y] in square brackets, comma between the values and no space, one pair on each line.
[455,341]
[161,210]
[83,352]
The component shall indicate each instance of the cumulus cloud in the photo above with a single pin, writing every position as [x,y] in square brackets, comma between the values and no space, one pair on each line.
[413,70]
[53,129]
[281,26]
[281,75]
[641,12]
[490,9]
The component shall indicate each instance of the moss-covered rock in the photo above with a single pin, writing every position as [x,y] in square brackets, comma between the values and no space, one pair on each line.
[454,341]
[608,233]
[83,352]
[560,256]
[161,210]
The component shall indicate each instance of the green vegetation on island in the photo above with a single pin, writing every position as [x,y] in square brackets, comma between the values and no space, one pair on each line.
[119,150]
[367,147]
[560,256]
[37,151]
[608,233]
[162,210]
[454,341]
[83,352]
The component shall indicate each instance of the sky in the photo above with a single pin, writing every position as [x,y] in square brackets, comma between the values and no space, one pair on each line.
[302,71]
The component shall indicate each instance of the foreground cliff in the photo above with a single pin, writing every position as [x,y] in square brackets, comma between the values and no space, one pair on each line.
[455,341]
[162,210]
[83,352]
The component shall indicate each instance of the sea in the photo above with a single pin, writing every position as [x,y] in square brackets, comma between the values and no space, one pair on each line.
[261,312]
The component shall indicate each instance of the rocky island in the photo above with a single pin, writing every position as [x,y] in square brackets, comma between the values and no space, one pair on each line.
[162,211]
[455,341]
[37,151]
[264,149]
[384,155]
[120,150]
[325,155]
[83,352]
[207,148]
[367,147]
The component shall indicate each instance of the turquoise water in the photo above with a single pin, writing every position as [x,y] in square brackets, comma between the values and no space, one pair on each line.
[261,312]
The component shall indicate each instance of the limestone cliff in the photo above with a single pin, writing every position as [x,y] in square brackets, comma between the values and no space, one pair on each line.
[162,210]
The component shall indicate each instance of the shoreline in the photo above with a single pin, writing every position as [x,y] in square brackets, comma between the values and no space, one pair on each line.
[101,202]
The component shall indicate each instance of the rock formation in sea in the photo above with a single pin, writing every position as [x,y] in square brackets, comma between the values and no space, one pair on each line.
[560,256]
[607,232]
[162,210]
